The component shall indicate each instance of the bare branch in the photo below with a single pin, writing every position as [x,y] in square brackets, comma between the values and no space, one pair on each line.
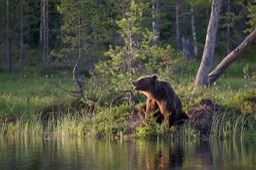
[214,75]
[70,92]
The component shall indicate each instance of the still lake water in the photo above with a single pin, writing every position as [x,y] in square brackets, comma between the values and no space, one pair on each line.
[61,153]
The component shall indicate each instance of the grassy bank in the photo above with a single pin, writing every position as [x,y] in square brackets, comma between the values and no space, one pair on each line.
[31,104]
[26,95]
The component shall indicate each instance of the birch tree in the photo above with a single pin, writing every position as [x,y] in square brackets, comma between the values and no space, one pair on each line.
[193,27]
[155,21]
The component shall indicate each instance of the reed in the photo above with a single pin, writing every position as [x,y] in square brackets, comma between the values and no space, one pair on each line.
[28,127]
[232,125]
[224,126]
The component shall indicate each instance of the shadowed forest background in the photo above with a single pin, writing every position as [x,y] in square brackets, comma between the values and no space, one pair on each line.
[94,49]
[56,33]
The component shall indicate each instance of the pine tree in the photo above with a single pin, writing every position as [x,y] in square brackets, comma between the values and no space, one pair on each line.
[136,54]
[251,7]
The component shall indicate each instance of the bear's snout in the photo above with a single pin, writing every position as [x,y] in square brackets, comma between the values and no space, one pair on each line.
[133,84]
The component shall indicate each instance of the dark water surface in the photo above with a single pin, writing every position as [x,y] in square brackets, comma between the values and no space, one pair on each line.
[42,152]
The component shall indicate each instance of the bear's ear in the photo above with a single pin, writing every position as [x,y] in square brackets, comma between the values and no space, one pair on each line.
[155,76]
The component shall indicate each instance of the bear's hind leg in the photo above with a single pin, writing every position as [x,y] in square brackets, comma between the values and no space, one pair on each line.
[172,118]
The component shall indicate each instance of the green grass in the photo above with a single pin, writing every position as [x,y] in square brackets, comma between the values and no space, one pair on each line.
[24,95]
[28,96]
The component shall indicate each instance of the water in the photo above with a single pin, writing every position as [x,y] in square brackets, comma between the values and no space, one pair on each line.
[61,153]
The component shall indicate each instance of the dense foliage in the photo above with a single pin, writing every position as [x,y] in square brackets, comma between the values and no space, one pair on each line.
[93,28]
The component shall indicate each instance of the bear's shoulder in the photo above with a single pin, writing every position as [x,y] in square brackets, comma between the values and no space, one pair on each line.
[163,86]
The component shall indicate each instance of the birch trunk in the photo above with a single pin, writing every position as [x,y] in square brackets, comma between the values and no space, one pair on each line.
[155,22]
[193,28]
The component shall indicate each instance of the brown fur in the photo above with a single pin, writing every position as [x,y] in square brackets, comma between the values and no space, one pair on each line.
[160,95]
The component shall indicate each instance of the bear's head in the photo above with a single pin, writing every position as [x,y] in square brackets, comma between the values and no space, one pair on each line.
[145,83]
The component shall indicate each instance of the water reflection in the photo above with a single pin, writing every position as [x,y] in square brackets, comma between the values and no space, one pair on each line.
[44,152]
[160,155]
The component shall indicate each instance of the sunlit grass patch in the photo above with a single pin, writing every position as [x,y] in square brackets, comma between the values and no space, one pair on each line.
[24,95]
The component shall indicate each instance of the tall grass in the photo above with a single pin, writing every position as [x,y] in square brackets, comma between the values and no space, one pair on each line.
[232,125]
[28,127]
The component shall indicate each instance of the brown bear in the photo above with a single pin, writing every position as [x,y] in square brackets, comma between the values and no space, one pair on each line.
[161,99]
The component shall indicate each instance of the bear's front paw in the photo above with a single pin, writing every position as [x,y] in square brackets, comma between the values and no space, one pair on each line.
[142,113]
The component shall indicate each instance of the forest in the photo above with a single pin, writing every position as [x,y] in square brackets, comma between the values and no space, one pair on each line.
[78,58]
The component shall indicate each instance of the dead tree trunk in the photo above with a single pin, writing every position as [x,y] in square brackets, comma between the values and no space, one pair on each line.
[228,28]
[215,74]
[21,35]
[206,63]
[155,22]
[193,27]
[178,39]
[44,30]
[8,41]
[79,83]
